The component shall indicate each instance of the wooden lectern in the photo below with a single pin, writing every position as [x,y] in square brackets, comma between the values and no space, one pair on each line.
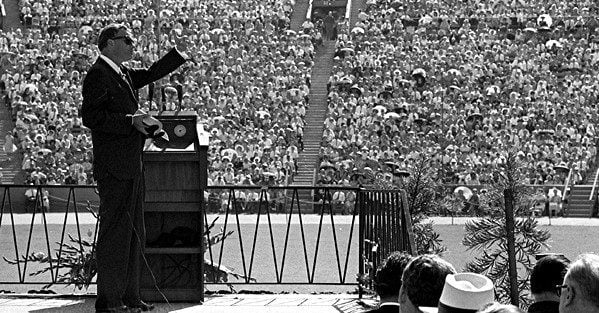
[176,173]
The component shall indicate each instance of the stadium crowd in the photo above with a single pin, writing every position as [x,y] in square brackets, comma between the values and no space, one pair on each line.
[249,83]
[459,81]
[464,82]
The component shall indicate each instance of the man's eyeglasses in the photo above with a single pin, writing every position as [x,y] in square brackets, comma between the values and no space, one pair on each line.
[558,289]
[128,40]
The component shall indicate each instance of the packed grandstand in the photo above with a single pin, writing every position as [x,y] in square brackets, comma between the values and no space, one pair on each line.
[460,82]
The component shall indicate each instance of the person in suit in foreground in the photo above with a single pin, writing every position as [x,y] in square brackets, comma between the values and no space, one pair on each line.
[387,282]
[422,282]
[548,272]
[579,292]
[110,104]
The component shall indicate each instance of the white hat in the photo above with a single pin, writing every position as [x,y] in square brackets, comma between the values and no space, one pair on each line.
[464,292]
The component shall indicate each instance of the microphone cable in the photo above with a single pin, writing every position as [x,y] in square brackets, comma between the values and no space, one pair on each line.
[143,255]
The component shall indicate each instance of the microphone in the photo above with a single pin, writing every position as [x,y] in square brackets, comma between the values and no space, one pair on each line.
[179,88]
[150,93]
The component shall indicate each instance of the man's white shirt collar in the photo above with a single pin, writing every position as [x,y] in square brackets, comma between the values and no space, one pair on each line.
[111,64]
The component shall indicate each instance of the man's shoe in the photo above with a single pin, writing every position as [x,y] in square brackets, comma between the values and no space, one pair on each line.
[122,309]
[142,306]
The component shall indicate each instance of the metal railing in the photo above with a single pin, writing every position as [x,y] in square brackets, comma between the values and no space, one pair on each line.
[594,195]
[567,184]
[280,236]
[594,184]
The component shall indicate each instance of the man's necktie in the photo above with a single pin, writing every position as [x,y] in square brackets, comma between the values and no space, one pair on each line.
[123,75]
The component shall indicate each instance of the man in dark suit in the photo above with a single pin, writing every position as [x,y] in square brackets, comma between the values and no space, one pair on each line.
[422,283]
[387,282]
[110,103]
[548,272]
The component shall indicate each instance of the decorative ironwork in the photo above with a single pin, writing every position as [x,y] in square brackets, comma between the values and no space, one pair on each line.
[253,213]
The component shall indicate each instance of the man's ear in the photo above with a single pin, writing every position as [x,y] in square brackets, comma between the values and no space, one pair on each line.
[569,296]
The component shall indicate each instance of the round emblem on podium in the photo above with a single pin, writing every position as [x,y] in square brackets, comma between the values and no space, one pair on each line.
[180,130]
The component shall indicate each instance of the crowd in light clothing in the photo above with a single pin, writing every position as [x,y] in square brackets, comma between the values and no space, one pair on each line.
[463,83]
[249,82]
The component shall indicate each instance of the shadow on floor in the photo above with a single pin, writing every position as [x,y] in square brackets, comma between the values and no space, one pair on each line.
[87,305]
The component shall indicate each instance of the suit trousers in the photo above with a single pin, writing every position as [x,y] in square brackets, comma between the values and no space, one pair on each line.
[121,240]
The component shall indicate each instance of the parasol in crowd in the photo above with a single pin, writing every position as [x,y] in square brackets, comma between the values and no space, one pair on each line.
[401,173]
[44,151]
[465,191]
[455,72]
[228,153]
[327,165]
[562,167]
[357,30]
[419,72]
[392,115]
[355,90]
[217,31]
[392,164]
[345,80]
[474,117]
[346,51]
[492,90]
[404,82]
[546,131]
[550,44]
[380,109]
[425,20]
[544,21]
[420,121]
[263,114]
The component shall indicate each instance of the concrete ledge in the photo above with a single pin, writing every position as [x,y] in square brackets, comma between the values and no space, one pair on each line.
[235,303]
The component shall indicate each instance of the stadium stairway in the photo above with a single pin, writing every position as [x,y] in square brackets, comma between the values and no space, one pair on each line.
[299,15]
[11,20]
[579,204]
[315,114]
[357,6]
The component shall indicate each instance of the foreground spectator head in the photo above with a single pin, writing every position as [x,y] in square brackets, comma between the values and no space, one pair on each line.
[548,272]
[501,308]
[464,293]
[580,291]
[388,276]
[422,282]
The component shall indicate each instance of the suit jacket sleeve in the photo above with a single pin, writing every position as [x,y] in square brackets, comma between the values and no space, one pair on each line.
[168,63]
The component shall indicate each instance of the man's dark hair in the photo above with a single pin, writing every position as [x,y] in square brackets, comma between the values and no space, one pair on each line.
[108,32]
[548,272]
[387,280]
[424,278]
